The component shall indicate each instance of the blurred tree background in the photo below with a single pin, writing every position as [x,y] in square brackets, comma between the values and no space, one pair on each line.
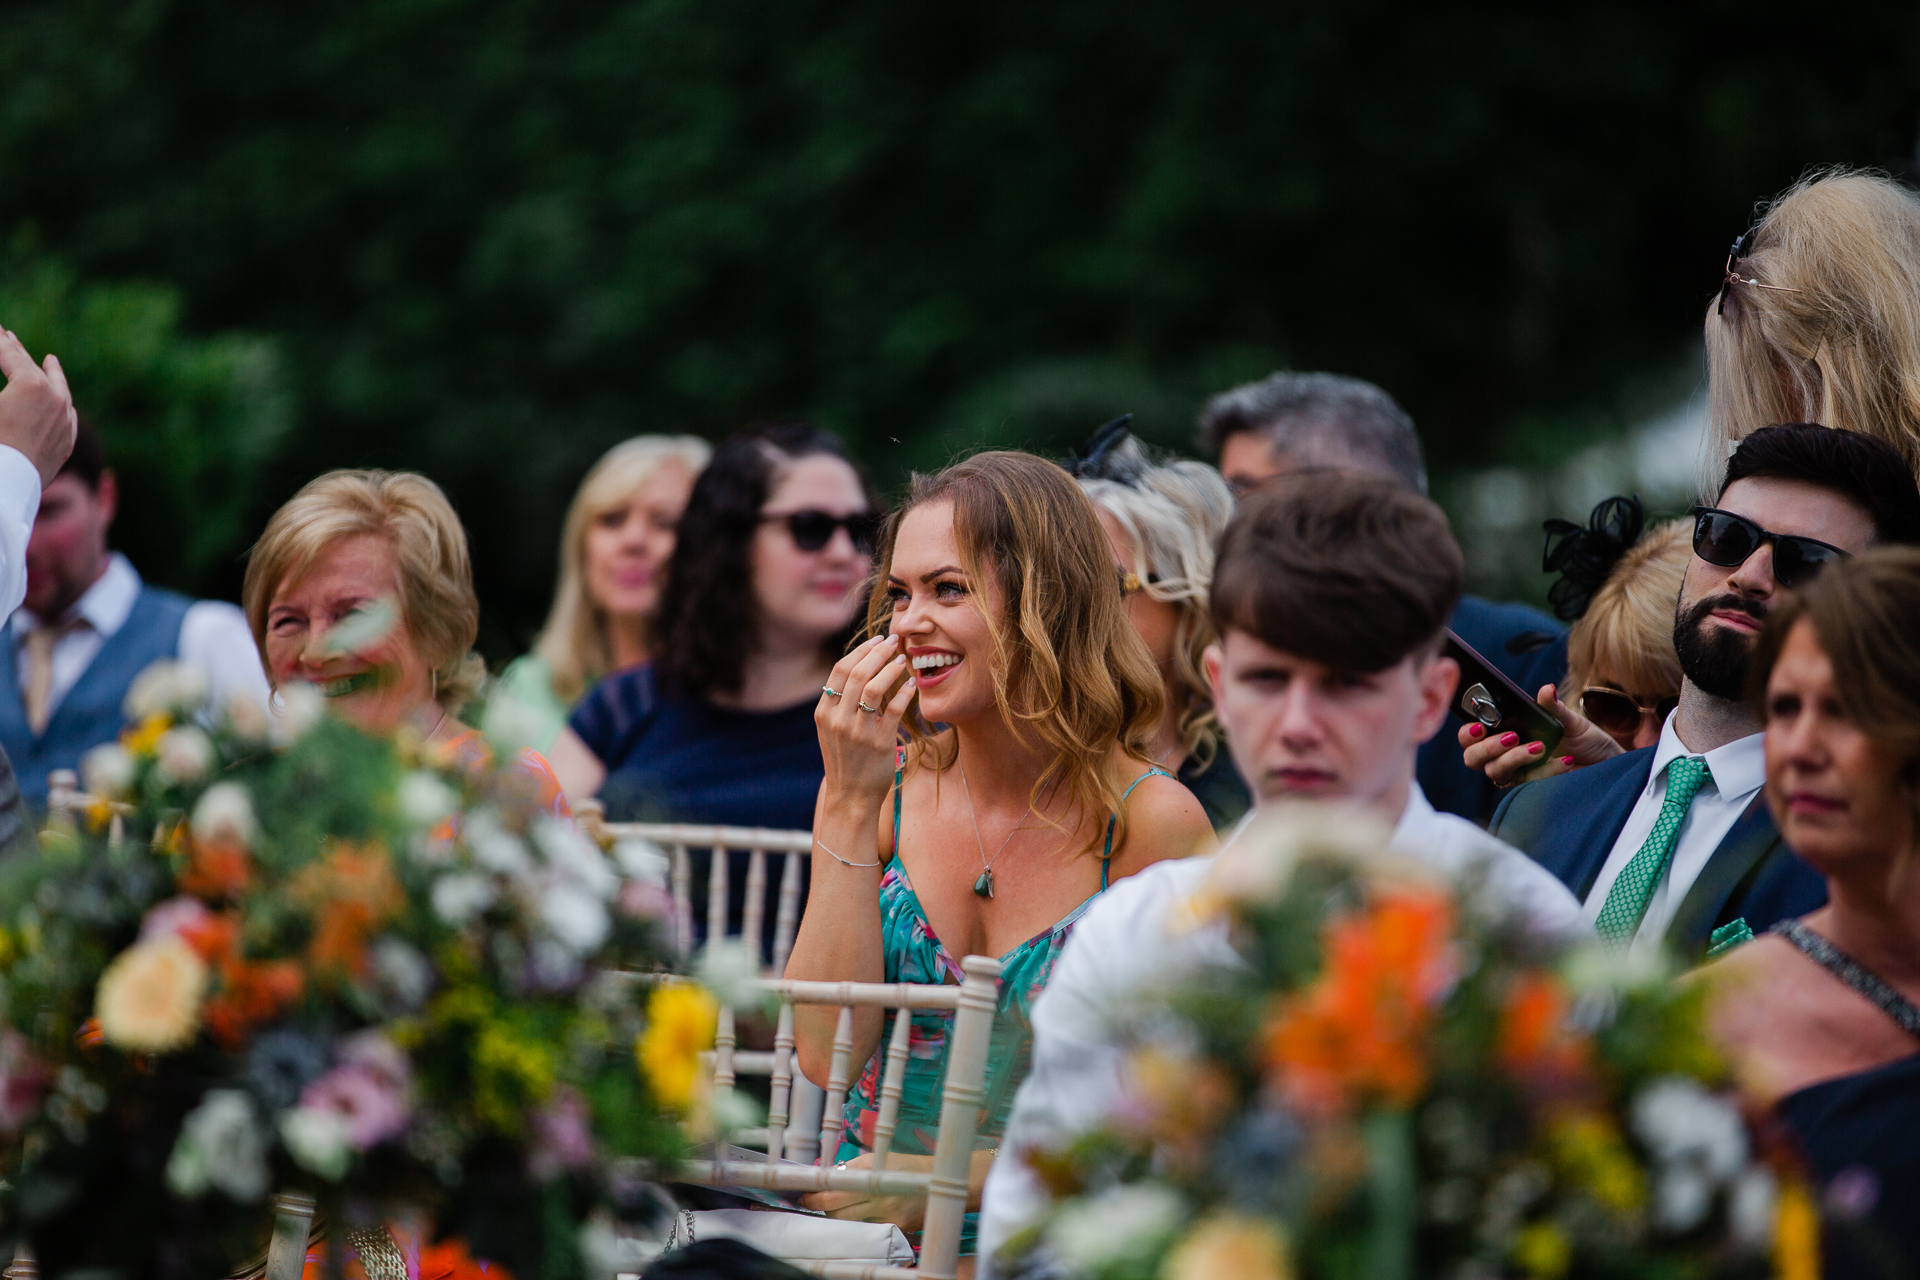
[488,238]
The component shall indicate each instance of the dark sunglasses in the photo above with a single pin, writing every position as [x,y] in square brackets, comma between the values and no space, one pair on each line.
[1729,277]
[812,530]
[1619,714]
[1723,538]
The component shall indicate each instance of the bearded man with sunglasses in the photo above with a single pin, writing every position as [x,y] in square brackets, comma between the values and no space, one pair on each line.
[1672,845]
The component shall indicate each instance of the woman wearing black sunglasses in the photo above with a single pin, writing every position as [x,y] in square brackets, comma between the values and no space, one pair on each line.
[762,593]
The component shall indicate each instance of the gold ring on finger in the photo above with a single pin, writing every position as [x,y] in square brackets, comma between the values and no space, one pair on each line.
[865,707]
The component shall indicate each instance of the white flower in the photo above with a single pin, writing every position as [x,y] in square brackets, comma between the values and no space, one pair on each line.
[1120,1223]
[575,916]
[1751,1207]
[425,799]
[574,855]
[247,717]
[107,770]
[730,969]
[403,973]
[221,1146]
[1683,1124]
[168,687]
[185,753]
[1682,1195]
[296,708]
[1599,968]
[494,847]
[365,628]
[1258,864]
[459,897]
[643,860]
[225,812]
[317,1141]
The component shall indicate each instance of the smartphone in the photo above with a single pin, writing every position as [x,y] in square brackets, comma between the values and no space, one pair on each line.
[1485,694]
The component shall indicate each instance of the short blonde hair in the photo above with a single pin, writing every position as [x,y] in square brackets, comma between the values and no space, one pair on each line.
[1836,340]
[1173,513]
[1628,628]
[574,640]
[437,603]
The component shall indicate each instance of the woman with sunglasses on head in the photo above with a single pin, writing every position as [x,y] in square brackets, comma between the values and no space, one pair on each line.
[762,594]
[1821,1015]
[1618,587]
[1025,787]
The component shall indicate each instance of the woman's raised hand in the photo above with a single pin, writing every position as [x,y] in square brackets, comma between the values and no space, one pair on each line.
[1506,760]
[859,717]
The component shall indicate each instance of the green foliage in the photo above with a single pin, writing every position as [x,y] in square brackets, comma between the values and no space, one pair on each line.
[491,237]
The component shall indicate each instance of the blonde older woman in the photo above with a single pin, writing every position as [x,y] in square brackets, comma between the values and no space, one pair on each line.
[1162,519]
[361,588]
[619,535]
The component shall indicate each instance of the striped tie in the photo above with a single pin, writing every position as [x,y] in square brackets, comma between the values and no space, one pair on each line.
[1627,900]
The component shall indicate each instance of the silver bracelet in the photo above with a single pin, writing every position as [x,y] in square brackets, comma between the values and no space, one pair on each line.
[842,861]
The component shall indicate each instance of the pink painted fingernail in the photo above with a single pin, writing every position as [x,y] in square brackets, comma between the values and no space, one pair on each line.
[1508,739]
[1567,760]
[1534,749]
[1476,731]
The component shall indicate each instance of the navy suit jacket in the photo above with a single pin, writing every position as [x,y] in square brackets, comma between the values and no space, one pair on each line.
[1568,825]
[1451,787]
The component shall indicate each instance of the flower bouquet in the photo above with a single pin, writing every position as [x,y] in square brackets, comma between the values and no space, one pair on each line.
[279,955]
[1397,1082]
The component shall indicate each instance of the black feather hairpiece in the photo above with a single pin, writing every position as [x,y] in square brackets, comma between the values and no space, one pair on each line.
[1584,558]
[1095,459]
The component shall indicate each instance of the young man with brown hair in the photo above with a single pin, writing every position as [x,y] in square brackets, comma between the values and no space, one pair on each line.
[1330,594]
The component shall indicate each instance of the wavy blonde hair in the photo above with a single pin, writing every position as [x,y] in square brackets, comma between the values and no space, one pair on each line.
[574,640]
[1068,666]
[1628,628]
[1843,347]
[437,603]
[1173,513]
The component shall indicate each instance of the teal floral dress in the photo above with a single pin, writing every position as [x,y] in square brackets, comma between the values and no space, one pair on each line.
[915,954]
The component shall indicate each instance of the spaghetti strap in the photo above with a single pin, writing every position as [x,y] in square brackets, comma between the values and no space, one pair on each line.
[1106,856]
[1853,973]
[899,769]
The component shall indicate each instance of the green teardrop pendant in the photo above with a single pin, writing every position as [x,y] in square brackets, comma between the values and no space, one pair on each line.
[984,885]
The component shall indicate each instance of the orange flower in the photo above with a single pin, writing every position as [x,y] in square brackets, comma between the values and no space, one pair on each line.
[1359,1031]
[216,870]
[1533,1039]
[248,992]
[449,1260]
[352,892]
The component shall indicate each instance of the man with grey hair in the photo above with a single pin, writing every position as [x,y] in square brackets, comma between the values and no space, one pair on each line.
[1290,421]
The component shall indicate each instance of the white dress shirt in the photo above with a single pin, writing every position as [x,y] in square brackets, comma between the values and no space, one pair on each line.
[19,504]
[214,637]
[1136,941]
[1736,772]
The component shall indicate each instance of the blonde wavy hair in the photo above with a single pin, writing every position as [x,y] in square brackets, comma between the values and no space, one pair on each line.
[1831,331]
[1628,628]
[574,640]
[437,603]
[1068,666]
[1173,512]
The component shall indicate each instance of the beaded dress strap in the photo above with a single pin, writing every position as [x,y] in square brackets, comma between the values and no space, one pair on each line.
[1106,856]
[1850,971]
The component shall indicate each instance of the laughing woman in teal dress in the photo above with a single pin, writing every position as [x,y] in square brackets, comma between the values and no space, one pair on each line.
[987,778]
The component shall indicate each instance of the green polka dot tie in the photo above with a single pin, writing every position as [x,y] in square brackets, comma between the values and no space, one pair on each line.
[1627,900]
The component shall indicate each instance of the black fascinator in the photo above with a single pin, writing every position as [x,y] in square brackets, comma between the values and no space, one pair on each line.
[1584,558]
[1106,455]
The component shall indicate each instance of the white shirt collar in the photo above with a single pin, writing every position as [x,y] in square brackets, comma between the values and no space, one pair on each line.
[1737,768]
[105,605]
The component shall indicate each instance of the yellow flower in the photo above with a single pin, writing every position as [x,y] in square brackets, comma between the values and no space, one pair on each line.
[1796,1234]
[7,950]
[681,1021]
[149,997]
[1592,1153]
[144,738]
[1244,1248]
[1543,1251]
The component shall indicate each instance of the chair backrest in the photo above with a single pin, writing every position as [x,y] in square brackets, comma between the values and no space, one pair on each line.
[682,841]
[973,1003]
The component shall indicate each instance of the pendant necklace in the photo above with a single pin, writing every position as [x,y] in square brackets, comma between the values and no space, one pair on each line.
[983,884]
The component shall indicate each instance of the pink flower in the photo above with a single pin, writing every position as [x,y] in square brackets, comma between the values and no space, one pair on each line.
[362,1097]
[562,1139]
[23,1081]
[645,901]
[173,917]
